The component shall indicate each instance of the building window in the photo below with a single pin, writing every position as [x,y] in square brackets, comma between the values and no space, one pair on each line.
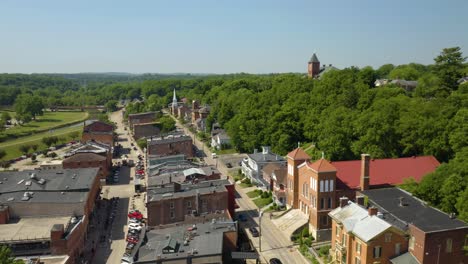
[330,202]
[358,248]
[290,169]
[326,185]
[411,243]
[338,229]
[322,203]
[357,260]
[171,204]
[189,204]
[343,239]
[397,248]
[172,215]
[377,251]
[324,220]
[331,185]
[448,245]
[321,186]
[388,237]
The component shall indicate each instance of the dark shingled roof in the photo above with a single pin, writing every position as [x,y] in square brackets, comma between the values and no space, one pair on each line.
[414,211]
[314,58]
[82,157]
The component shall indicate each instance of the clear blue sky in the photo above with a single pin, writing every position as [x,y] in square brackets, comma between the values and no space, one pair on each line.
[221,36]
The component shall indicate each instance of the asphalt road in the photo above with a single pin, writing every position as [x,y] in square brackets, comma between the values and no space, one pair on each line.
[273,243]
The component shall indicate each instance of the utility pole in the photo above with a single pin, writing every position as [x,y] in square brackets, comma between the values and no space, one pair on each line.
[260,214]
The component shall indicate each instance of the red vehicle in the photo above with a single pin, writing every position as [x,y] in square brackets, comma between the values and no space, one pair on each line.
[132,240]
[135,214]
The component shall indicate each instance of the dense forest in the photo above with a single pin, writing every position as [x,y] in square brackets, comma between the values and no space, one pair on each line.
[342,113]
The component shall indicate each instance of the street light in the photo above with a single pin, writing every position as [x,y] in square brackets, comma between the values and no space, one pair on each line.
[260,213]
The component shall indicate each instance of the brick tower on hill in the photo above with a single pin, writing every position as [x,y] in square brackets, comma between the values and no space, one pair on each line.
[313,67]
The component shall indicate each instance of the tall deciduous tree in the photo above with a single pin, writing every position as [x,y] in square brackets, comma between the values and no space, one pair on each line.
[7,257]
[449,67]
[28,107]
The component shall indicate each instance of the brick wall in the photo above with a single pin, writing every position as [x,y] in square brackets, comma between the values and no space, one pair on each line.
[102,165]
[174,148]
[159,212]
[98,137]
[145,130]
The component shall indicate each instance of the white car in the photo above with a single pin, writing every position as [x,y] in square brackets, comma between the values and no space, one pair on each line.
[138,228]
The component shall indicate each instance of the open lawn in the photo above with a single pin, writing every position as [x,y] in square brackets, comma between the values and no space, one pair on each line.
[225,151]
[262,202]
[12,150]
[253,194]
[48,121]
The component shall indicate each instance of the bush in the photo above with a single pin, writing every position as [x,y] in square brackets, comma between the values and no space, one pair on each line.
[52,155]
[264,195]
[324,251]
[33,157]
[237,178]
[246,181]
[142,143]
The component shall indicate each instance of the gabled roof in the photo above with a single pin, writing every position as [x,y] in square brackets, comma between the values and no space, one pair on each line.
[82,157]
[321,165]
[314,58]
[384,171]
[357,220]
[271,167]
[98,126]
[298,154]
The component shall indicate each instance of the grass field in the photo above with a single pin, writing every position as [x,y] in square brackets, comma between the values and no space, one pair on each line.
[253,194]
[49,120]
[262,202]
[12,150]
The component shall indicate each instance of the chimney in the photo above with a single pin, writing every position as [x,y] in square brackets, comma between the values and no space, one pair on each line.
[365,172]
[360,200]
[402,201]
[372,211]
[343,201]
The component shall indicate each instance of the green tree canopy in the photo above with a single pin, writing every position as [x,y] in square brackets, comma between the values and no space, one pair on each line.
[27,107]
[449,67]
[7,257]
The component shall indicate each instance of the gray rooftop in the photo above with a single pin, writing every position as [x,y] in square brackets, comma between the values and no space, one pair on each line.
[414,211]
[46,185]
[314,58]
[168,139]
[186,190]
[266,157]
[180,175]
[206,240]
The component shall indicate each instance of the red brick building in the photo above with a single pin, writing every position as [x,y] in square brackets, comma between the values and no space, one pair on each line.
[98,131]
[176,202]
[141,118]
[389,225]
[146,130]
[170,145]
[315,187]
[88,160]
[47,212]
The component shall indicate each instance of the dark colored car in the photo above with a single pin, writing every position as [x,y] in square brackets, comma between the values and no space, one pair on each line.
[229,165]
[242,218]
[275,261]
[254,231]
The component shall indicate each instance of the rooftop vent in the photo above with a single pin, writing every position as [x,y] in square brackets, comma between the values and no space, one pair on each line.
[402,201]
[33,176]
[28,183]
[21,181]
[380,215]
[41,181]
[11,199]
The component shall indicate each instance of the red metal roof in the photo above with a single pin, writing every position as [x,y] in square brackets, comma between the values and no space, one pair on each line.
[385,171]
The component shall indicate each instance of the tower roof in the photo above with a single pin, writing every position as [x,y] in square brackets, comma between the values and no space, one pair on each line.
[314,58]
[322,165]
[298,154]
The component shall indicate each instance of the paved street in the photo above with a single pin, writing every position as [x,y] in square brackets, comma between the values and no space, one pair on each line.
[112,253]
[274,243]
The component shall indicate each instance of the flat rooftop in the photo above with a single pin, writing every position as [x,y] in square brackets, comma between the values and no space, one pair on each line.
[46,259]
[34,228]
[168,139]
[414,211]
[187,190]
[206,239]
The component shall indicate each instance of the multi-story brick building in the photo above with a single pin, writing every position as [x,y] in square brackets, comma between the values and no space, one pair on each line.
[170,145]
[389,225]
[98,131]
[88,160]
[175,202]
[275,174]
[141,118]
[315,187]
[90,155]
[146,130]
[47,212]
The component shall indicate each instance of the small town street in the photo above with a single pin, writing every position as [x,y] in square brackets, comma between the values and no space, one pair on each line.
[273,243]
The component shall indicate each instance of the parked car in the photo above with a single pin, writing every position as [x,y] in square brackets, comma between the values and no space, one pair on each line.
[229,165]
[275,261]
[254,231]
[242,217]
